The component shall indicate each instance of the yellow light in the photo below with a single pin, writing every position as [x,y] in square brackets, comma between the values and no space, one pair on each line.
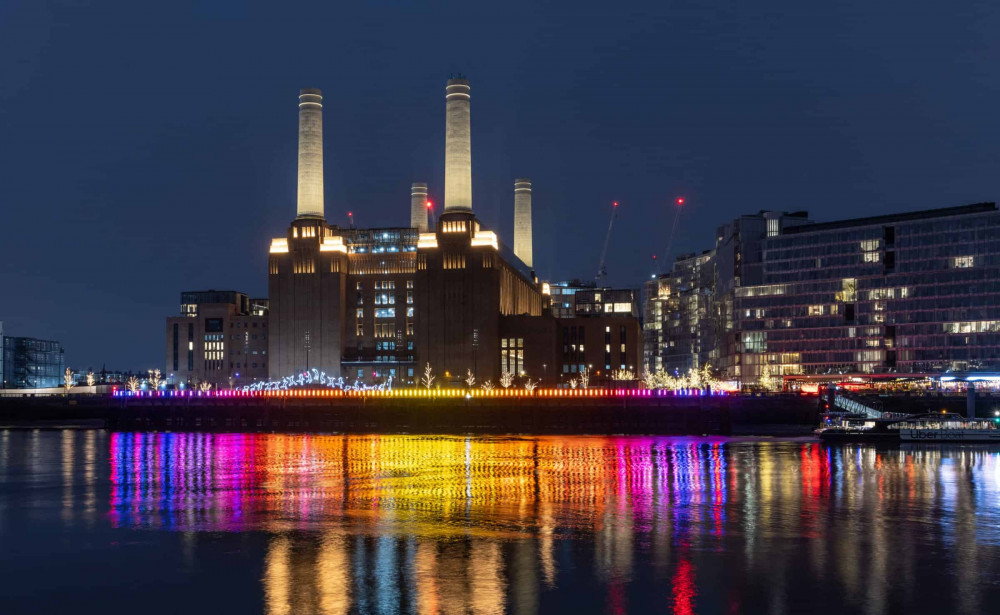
[333,244]
[279,245]
[427,240]
[485,238]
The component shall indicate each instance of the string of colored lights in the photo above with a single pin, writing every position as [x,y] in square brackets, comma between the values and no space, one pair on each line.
[422,393]
[315,377]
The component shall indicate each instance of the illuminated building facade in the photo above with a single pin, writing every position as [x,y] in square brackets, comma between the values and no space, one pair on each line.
[29,363]
[577,298]
[688,315]
[221,338]
[916,292]
[367,304]
[466,282]
[911,293]
[690,321]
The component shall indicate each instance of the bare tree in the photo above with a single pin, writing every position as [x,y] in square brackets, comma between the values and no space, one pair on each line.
[584,377]
[487,386]
[428,378]
[623,374]
[155,379]
[470,378]
[132,383]
[766,380]
[205,386]
[68,379]
[530,386]
[573,383]
[90,378]
[506,379]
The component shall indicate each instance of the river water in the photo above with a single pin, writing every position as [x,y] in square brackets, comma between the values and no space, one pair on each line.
[238,523]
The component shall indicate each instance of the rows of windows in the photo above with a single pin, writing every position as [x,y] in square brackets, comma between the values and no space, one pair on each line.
[454,261]
[512,355]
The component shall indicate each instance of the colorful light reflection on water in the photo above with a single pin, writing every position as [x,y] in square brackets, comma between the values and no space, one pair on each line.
[407,524]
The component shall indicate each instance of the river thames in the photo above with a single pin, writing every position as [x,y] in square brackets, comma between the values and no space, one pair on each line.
[207,523]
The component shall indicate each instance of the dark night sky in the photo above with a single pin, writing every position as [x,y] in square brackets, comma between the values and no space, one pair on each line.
[149,148]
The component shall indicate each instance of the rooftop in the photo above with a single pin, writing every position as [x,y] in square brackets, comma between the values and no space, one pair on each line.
[975,208]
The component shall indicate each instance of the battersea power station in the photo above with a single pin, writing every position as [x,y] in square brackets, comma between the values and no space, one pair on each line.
[370,304]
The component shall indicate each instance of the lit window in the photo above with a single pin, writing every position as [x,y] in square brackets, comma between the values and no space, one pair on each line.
[963,262]
[360,313]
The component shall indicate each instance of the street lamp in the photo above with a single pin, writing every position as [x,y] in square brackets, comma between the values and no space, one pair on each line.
[475,346]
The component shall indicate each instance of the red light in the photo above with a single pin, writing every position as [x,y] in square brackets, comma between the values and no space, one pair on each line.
[615,203]
[680,200]
[350,214]
[429,204]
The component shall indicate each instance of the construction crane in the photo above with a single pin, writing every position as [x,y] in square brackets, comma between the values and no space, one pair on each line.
[602,271]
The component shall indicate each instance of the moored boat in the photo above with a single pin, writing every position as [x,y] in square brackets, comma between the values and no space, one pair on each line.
[934,427]
[948,428]
[849,427]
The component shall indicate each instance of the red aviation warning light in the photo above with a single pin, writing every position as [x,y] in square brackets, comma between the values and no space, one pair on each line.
[429,204]
[680,200]
[615,204]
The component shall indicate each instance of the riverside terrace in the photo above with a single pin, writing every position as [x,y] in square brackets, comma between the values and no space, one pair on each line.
[434,411]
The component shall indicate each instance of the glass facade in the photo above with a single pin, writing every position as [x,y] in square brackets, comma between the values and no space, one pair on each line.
[29,363]
[913,293]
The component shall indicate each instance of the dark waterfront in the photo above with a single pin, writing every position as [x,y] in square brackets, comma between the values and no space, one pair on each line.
[198,523]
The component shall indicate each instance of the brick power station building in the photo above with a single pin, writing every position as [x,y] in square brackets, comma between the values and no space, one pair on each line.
[366,304]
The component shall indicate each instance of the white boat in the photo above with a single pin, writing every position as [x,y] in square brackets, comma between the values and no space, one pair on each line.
[949,428]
